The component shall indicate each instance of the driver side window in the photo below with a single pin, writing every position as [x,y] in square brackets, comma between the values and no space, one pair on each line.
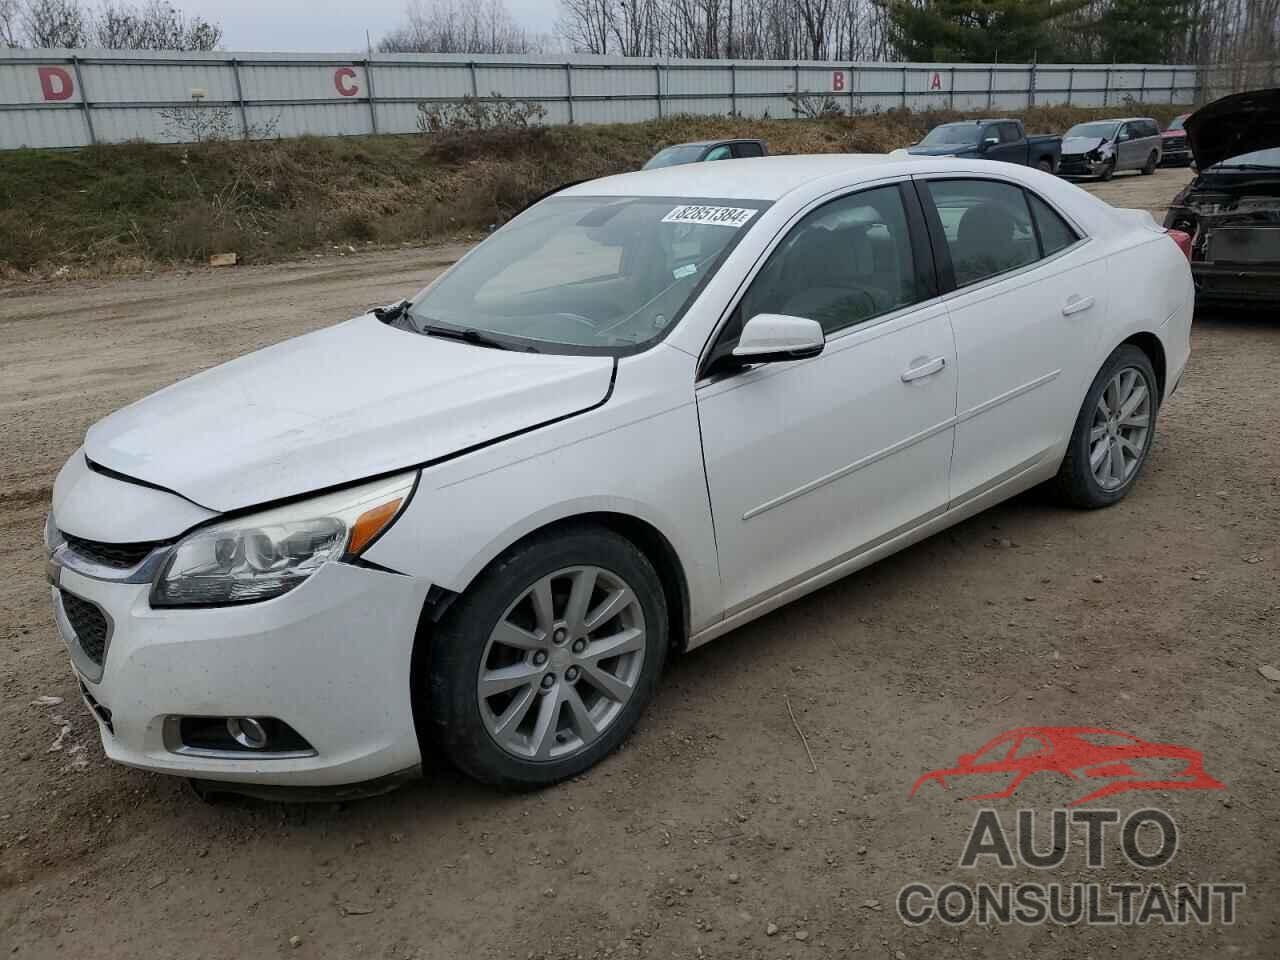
[846,262]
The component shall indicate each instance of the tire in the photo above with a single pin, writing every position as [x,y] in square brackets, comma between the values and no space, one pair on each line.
[1046,165]
[538,732]
[1083,482]
[1152,162]
[1108,171]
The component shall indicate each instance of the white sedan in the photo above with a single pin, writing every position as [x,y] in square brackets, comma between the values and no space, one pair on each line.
[644,412]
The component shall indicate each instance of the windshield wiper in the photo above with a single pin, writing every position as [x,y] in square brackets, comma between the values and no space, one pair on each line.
[471,335]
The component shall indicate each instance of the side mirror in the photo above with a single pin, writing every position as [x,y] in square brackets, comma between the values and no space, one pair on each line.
[772,337]
[990,141]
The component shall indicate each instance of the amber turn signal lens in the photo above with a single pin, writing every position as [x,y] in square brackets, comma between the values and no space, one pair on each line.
[370,524]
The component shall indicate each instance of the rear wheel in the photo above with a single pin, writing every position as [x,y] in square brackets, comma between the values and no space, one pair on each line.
[1113,432]
[1152,162]
[544,665]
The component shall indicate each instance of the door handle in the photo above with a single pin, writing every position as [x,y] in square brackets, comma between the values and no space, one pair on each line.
[1077,305]
[924,370]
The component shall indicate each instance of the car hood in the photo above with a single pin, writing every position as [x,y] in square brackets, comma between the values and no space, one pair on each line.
[1081,144]
[352,401]
[1234,125]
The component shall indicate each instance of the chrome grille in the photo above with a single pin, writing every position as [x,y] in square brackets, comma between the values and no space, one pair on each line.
[118,556]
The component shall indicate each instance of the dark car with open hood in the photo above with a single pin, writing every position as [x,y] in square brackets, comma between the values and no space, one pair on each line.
[1232,208]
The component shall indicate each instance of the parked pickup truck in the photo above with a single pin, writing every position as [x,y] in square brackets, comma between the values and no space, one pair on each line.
[992,140]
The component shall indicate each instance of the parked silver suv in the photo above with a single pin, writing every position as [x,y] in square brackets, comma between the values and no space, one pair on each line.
[1101,147]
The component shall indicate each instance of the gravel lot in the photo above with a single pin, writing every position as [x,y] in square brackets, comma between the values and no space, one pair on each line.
[708,830]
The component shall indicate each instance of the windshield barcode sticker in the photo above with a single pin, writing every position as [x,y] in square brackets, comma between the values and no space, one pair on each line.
[717,216]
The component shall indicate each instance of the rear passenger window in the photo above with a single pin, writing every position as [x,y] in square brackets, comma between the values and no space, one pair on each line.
[747,150]
[1055,234]
[845,263]
[987,227]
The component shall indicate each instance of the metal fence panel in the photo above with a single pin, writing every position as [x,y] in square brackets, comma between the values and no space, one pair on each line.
[61,98]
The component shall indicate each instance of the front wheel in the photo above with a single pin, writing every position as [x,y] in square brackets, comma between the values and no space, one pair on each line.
[1152,162]
[1113,432]
[1108,171]
[1046,165]
[544,665]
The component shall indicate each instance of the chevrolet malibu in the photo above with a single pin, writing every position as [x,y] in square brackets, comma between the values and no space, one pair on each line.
[647,410]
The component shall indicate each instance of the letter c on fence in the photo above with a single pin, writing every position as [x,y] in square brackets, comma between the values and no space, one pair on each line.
[837,81]
[55,83]
[341,76]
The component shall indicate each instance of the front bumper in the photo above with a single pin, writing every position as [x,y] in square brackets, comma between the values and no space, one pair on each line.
[330,658]
[1078,165]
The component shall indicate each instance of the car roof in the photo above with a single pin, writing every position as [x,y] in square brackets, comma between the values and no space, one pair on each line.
[753,178]
[709,143]
[770,179]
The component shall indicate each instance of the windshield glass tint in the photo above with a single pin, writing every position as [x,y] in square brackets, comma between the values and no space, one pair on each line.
[953,134]
[673,156]
[1176,123]
[1104,131]
[1258,158]
[588,274]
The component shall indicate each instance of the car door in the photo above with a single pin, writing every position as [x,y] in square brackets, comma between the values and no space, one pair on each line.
[1010,149]
[1127,148]
[809,462]
[1026,299]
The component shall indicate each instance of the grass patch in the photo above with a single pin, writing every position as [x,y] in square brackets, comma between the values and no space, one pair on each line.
[135,202]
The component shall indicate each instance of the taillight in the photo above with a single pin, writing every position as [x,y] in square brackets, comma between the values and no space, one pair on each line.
[1183,240]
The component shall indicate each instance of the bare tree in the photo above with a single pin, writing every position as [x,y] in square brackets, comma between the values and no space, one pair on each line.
[54,23]
[153,26]
[751,29]
[457,26]
[9,28]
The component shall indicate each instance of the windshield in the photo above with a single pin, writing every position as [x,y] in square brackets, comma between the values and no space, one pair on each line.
[953,134]
[1177,122]
[1101,131]
[673,156]
[587,274]
[1265,159]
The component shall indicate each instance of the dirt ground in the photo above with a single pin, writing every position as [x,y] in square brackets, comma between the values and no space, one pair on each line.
[707,835]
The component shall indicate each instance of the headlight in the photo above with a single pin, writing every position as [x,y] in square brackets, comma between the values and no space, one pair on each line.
[268,554]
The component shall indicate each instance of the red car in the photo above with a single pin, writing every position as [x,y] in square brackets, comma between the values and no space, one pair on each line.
[1091,753]
[1177,152]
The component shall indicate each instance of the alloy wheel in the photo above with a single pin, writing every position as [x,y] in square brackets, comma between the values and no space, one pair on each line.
[1118,432]
[561,663]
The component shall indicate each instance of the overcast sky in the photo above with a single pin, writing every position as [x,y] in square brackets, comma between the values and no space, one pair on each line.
[328,25]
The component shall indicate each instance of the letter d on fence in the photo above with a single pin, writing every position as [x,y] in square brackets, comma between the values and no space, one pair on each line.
[55,83]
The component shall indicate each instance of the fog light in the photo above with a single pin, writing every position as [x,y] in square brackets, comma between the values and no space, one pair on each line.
[247,732]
